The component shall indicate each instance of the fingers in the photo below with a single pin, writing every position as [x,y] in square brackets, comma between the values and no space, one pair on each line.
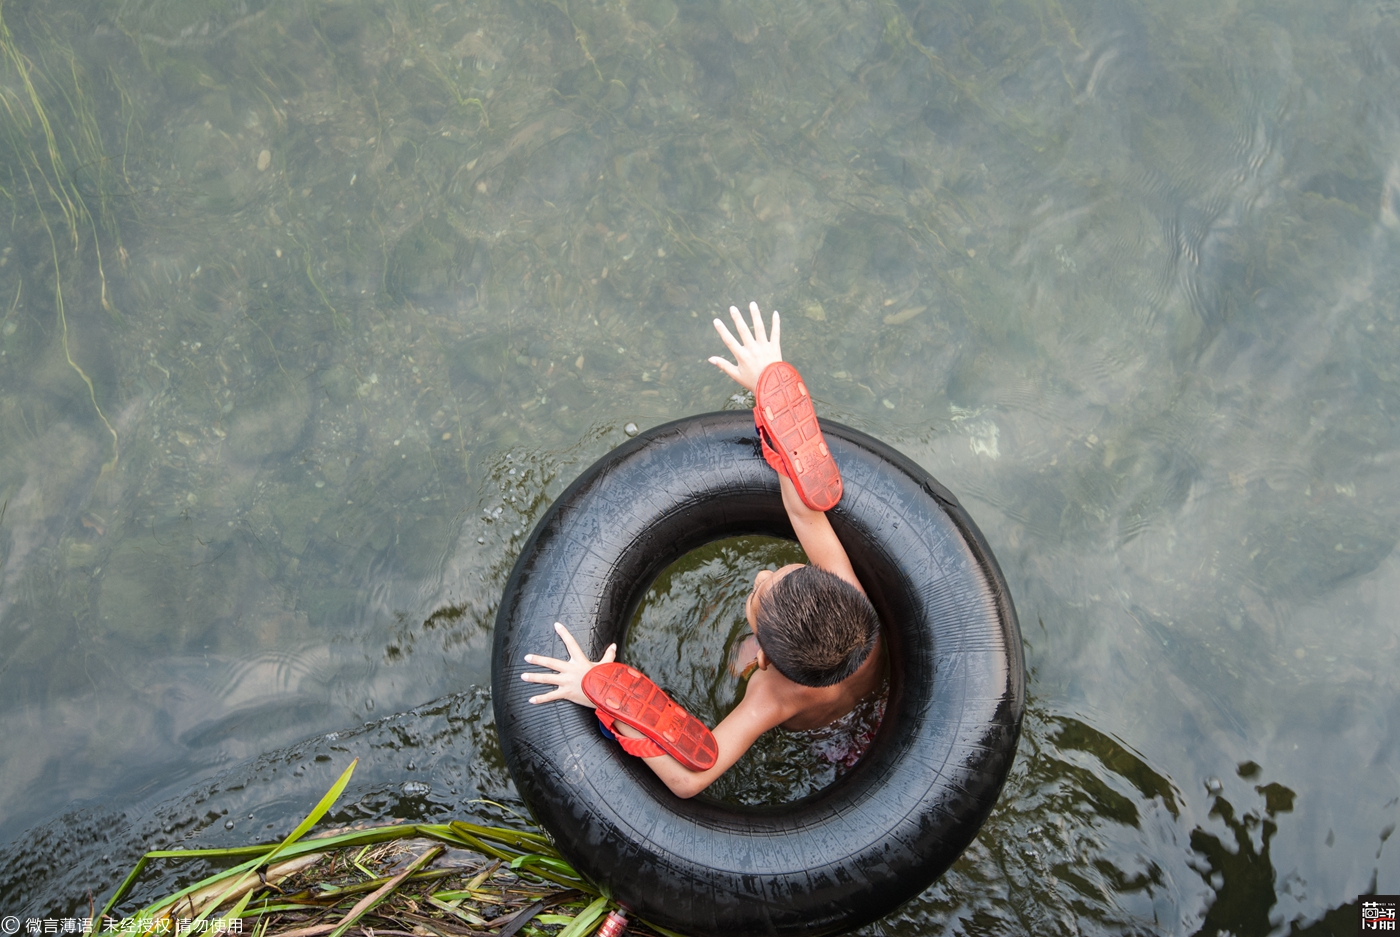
[757,315]
[725,366]
[742,326]
[774,337]
[574,650]
[576,655]
[558,680]
[729,341]
[749,337]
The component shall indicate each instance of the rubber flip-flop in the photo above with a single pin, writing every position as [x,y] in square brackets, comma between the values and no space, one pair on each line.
[625,694]
[792,440]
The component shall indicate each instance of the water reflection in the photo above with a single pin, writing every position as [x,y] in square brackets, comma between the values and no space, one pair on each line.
[1068,849]
[1242,874]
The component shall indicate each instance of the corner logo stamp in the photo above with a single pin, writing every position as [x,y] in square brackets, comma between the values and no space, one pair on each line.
[1378,913]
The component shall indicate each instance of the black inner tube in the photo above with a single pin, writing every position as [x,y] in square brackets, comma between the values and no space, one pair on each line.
[848,853]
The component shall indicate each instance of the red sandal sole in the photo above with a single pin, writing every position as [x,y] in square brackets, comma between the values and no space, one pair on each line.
[628,695]
[785,412]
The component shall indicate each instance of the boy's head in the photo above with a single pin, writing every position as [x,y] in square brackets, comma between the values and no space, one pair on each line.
[816,628]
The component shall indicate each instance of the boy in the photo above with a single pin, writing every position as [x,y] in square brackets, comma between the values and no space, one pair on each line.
[815,633]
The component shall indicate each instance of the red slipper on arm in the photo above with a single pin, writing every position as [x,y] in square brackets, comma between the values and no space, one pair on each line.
[625,694]
[792,440]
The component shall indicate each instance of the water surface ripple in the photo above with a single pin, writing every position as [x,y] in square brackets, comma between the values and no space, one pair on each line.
[309,309]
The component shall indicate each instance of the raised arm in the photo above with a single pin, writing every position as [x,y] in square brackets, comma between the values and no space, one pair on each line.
[814,532]
[753,351]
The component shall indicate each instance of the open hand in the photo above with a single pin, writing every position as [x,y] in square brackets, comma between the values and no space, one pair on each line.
[568,676]
[756,352]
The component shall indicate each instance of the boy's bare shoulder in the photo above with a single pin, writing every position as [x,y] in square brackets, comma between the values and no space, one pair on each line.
[779,701]
[772,698]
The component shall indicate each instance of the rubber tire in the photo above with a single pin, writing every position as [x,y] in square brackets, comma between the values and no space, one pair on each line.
[849,853]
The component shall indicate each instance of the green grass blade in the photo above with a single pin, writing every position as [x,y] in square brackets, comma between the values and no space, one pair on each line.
[124,888]
[459,835]
[471,842]
[548,862]
[471,918]
[379,834]
[469,891]
[329,843]
[329,893]
[586,918]
[533,841]
[320,810]
[238,909]
[274,908]
[152,910]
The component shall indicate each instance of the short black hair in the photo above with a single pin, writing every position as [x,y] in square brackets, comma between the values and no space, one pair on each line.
[815,627]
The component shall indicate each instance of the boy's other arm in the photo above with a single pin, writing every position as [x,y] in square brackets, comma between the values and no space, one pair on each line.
[756,713]
[814,532]
[760,710]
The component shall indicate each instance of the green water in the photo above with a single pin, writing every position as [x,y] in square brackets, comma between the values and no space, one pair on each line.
[688,635]
[307,310]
